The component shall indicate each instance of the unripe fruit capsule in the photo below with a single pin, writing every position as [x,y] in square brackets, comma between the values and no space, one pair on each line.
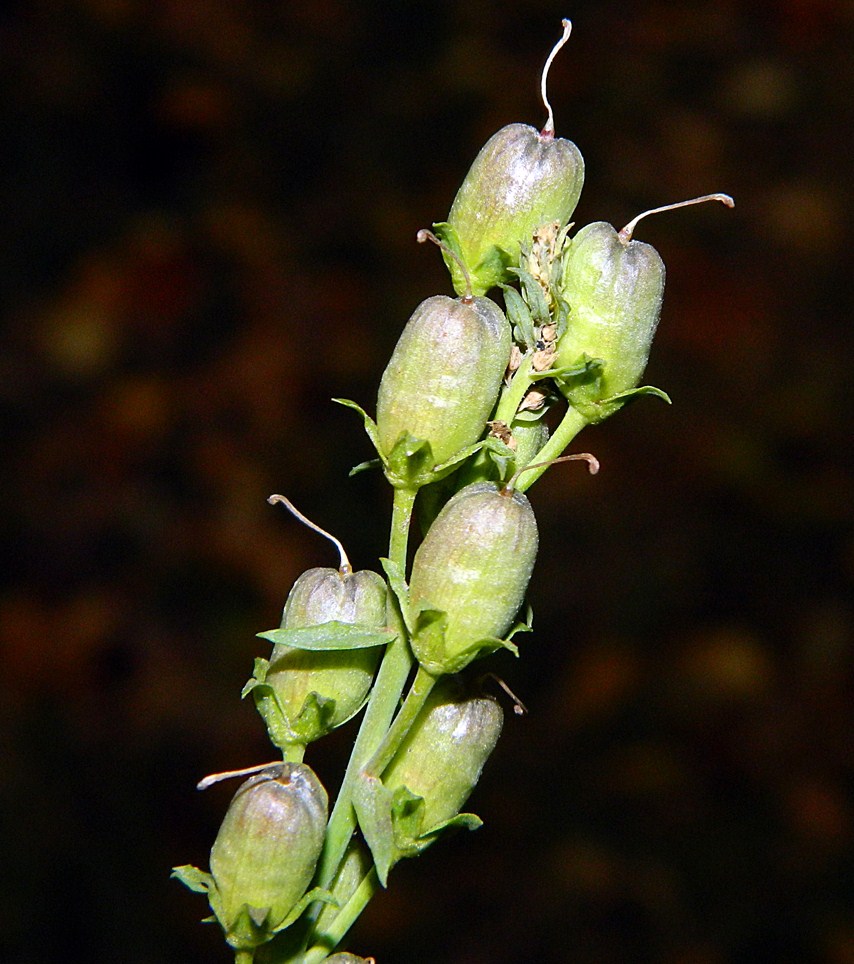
[319,596]
[267,847]
[614,287]
[474,564]
[521,179]
[444,375]
[443,755]
[614,290]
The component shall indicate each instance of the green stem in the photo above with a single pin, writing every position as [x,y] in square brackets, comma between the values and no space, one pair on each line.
[512,394]
[293,753]
[343,921]
[244,956]
[422,686]
[384,700]
[571,424]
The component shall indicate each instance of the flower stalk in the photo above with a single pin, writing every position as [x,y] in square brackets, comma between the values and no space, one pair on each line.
[466,422]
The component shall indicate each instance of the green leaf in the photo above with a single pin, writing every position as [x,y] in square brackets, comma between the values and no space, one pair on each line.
[331,636]
[373,804]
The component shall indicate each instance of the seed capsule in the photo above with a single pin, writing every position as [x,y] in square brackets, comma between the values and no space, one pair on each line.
[614,290]
[266,850]
[614,287]
[474,564]
[521,179]
[443,755]
[320,596]
[444,376]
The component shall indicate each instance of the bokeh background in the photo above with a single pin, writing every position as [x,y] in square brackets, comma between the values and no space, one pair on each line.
[208,221]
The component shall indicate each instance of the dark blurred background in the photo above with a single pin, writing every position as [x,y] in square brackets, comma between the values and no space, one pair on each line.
[209,212]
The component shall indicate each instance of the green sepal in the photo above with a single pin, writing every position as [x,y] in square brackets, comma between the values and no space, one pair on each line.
[429,626]
[624,397]
[525,625]
[199,881]
[252,928]
[464,821]
[584,401]
[280,731]
[328,637]
[369,423]
[259,675]
[392,823]
[490,271]
[364,466]
[447,234]
[410,463]
[588,372]
[501,456]
[519,316]
[372,802]
[315,715]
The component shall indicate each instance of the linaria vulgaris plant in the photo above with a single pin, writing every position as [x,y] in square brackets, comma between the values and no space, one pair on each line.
[461,426]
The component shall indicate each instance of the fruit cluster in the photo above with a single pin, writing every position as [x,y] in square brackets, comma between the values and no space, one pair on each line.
[467,417]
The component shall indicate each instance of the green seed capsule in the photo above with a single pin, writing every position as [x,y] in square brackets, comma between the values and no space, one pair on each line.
[444,376]
[614,289]
[474,564]
[521,179]
[443,754]
[266,850]
[320,596]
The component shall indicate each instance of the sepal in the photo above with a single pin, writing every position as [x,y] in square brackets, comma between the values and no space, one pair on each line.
[333,636]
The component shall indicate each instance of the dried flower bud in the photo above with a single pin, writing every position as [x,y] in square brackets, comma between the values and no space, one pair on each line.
[266,850]
[443,755]
[473,565]
[444,376]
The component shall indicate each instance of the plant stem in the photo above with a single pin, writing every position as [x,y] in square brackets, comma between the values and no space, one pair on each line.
[384,700]
[293,753]
[344,919]
[571,424]
[422,686]
[244,956]
[512,394]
